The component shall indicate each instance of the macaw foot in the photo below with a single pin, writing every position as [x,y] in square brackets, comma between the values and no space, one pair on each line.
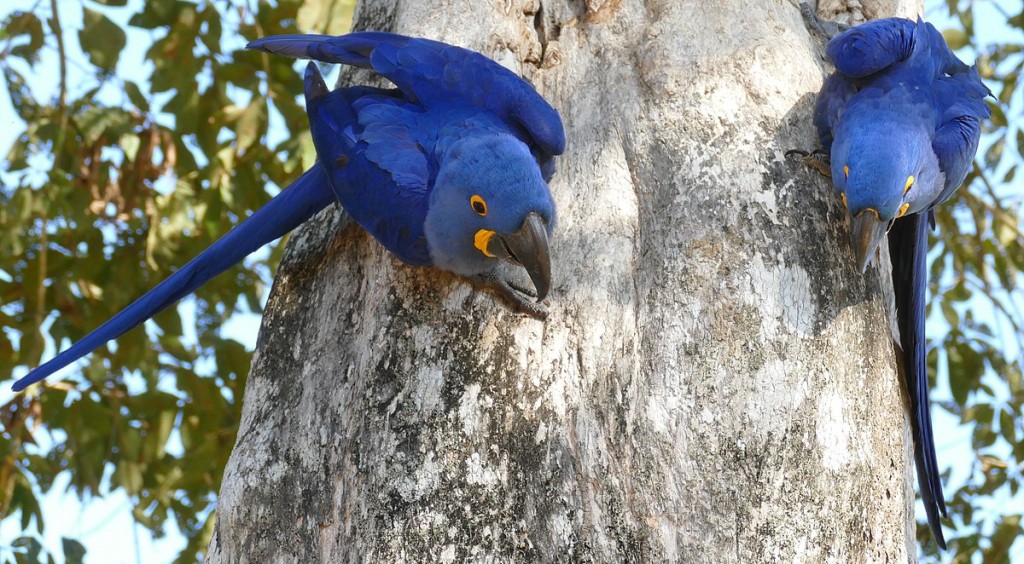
[818,160]
[520,299]
[824,28]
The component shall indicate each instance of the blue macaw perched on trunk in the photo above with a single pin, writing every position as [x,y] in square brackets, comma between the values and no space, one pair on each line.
[449,169]
[900,120]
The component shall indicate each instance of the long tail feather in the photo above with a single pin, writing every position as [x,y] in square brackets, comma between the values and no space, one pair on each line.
[908,248]
[294,205]
[352,49]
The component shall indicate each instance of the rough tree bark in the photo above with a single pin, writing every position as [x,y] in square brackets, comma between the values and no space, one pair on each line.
[713,384]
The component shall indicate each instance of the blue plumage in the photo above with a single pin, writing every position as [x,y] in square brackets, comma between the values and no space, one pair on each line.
[901,119]
[434,74]
[448,170]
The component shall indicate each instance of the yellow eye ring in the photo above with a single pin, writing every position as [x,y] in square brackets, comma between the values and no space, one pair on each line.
[846,171]
[908,185]
[479,205]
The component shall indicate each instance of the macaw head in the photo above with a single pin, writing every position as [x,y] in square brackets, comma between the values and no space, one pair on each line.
[489,204]
[883,168]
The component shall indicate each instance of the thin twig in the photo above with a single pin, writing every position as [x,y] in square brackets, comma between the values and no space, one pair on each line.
[264,56]
[998,304]
[44,236]
[63,59]
[1006,218]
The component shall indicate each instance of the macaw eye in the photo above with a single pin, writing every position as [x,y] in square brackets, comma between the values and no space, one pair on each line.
[479,205]
[907,186]
[846,170]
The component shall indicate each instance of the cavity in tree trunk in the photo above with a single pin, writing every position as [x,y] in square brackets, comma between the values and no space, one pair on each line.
[714,382]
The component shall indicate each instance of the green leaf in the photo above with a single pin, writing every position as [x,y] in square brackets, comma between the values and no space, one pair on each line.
[1009,87]
[98,122]
[252,123]
[955,38]
[159,14]
[980,413]
[101,39]
[1014,380]
[994,153]
[21,96]
[1007,426]
[135,95]
[129,476]
[950,313]
[74,551]
[18,24]
[1003,538]
[33,548]
[330,17]
[998,118]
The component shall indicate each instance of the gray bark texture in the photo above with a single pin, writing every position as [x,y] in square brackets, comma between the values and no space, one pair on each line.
[714,382]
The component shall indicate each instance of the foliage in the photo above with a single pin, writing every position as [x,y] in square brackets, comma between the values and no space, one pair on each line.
[975,276]
[116,180]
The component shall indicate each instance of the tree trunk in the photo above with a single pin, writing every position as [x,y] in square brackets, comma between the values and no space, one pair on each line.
[714,382]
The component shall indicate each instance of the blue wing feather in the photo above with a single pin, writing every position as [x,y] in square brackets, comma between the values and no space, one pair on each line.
[960,101]
[435,73]
[379,171]
[831,101]
[294,205]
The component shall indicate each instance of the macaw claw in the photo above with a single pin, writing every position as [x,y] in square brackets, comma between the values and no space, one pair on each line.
[521,299]
[825,28]
[817,160]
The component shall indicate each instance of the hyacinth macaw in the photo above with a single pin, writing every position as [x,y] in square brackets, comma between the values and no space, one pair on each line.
[900,119]
[449,169]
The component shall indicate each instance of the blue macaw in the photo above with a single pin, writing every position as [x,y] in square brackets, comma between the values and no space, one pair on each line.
[900,119]
[449,169]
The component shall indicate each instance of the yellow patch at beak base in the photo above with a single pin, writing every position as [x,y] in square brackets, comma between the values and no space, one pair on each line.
[481,240]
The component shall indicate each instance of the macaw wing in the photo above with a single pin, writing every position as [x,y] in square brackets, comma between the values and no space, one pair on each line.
[834,94]
[955,144]
[434,73]
[377,167]
[960,101]
[908,249]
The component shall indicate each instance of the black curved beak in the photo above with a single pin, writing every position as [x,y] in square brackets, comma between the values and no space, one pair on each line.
[528,247]
[867,231]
